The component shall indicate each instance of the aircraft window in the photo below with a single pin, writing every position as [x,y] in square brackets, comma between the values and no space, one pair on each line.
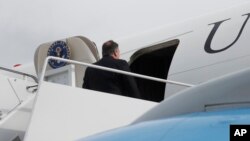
[153,61]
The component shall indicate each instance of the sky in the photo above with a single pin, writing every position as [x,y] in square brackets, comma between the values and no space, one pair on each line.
[25,24]
[28,23]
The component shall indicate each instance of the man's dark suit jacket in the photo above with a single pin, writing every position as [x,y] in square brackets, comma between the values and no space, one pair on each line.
[111,82]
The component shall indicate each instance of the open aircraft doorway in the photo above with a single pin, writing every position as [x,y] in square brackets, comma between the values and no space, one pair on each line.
[153,61]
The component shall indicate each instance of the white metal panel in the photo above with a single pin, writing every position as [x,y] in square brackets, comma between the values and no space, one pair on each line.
[63,113]
[16,103]
[20,87]
[202,74]
[16,123]
[8,98]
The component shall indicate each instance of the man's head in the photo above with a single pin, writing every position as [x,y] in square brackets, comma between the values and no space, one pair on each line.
[110,48]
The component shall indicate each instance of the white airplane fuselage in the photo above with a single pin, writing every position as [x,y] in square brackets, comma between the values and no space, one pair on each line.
[209,46]
[191,51]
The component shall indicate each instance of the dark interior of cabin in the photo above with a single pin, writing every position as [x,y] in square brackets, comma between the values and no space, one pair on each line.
[153,62]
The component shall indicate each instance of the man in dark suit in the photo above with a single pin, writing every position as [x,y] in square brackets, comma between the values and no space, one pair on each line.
[111,82]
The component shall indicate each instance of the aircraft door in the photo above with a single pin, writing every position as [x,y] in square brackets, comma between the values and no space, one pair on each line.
[153,61]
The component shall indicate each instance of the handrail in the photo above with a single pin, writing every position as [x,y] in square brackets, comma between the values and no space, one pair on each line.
[111,70]
[21,73]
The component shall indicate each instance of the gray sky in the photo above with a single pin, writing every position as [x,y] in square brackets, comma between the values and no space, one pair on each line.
[28,23]
[25,24]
